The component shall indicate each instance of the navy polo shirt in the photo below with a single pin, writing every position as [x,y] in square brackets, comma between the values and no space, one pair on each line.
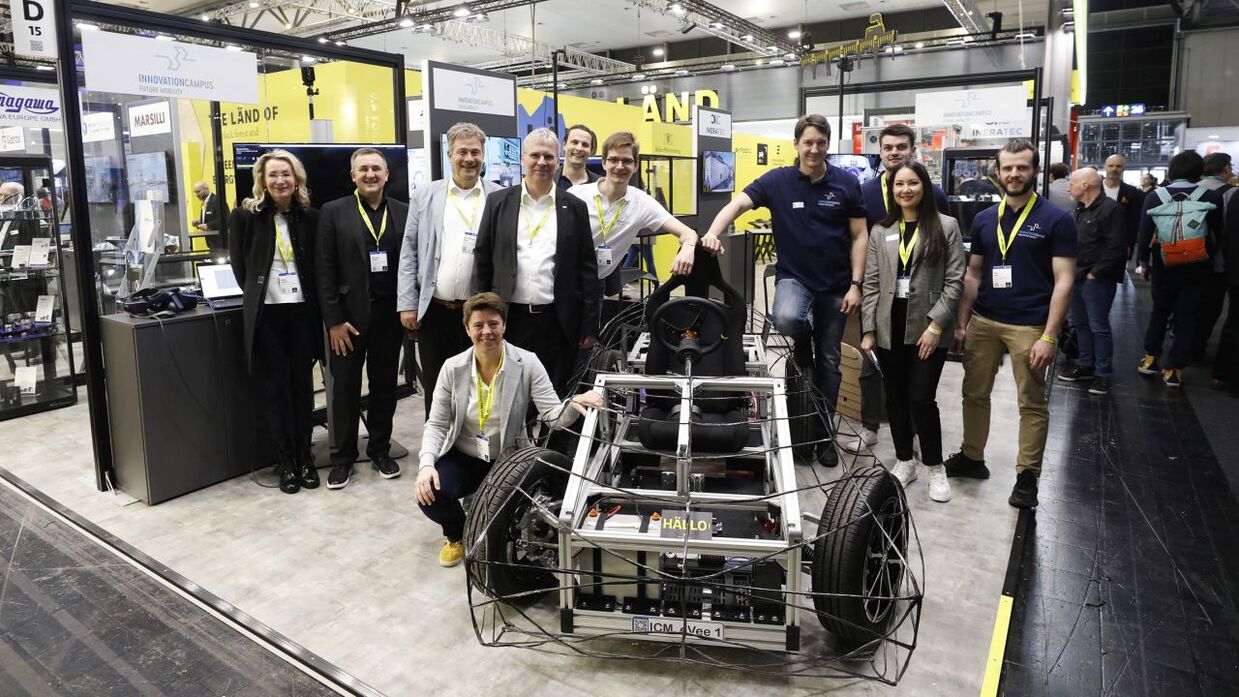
[1048,232]
[875,210]
[811,224]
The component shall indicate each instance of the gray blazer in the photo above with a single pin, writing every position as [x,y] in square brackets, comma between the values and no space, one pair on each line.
[935,290]
[522,379]
[419,254]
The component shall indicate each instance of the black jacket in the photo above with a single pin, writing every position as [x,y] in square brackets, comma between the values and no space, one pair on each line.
[251,249]
[343,263]
[1101,240]
[1131,200]
[577,287]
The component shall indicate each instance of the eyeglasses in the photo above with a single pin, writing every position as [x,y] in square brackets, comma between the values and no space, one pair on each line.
[626,161]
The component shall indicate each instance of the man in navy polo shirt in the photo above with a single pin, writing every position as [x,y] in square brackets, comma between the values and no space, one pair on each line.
[1016,294]
[820,236]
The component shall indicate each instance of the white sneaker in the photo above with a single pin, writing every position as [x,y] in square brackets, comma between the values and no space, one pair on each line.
[905,472]
[867,439]
[939,485]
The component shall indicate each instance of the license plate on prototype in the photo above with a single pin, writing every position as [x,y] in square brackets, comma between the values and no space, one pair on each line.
[677,627]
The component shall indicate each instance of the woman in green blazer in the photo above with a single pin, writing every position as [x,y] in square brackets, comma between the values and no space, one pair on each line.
[914,276]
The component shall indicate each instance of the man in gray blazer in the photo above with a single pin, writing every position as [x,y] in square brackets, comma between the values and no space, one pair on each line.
[436,261]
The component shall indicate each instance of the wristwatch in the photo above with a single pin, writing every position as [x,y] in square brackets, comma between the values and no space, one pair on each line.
[858,284]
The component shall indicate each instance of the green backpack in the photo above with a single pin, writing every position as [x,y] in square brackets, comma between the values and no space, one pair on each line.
[1182,232]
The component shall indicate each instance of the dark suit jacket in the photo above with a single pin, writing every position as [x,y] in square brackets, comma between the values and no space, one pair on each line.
[343,269]
[251,249]
[214,215]
[577,288]
[1131,200]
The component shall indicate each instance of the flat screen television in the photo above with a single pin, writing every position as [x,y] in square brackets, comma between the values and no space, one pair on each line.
[501,160]
[147,174]
[863,167]
[326,168]
[718,171]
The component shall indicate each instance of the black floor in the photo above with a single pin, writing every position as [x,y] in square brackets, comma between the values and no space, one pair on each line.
[76,620]
[1131,586]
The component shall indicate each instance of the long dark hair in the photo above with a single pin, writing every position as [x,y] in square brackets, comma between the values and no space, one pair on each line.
[931,242]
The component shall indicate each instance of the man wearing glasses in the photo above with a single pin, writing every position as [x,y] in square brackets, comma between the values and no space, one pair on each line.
[617,212]
[535,250]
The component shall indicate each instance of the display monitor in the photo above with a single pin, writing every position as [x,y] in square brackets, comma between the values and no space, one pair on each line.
[863,167]
[326,168]
[501,160]
[718,171]
[147,174]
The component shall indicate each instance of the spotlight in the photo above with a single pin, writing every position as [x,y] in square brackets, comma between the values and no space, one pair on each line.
[253,5]
[323,39]
[478,18]
[716,25]
[675,9]
[205,17]
[682,71]
[638,76]
[658,52]
[746,37]
[339,43]
[596,81]
[406,22]
[920,44]
[777,61]
[461,12]
[234,47]
[688,27]
[729,66]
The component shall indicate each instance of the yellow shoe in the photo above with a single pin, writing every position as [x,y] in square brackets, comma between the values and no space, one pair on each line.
[452,553]
[1149,366]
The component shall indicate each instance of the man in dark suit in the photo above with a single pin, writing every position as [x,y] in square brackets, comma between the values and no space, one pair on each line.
[212,216]
[1129,198]
[536,251]
[359,240]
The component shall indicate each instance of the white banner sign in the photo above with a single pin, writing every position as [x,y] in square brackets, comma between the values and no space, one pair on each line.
[715,124]
[98,126]
[149,119]
[991,112]
[478,94]
[12,139]
[34,27]
[36,107]
[138,65]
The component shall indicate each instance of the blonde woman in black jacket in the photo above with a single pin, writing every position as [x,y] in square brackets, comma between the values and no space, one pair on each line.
[271,244]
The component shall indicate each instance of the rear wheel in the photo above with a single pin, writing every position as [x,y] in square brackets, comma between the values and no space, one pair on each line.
[860,559]
[517,549]
[802,418]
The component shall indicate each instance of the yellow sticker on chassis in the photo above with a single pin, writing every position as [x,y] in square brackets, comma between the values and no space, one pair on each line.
[666,625]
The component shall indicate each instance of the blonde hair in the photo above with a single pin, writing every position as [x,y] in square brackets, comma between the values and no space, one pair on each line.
[301,194]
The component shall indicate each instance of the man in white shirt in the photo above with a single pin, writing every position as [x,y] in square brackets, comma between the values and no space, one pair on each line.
[617,212]
[437,268]
[535,250]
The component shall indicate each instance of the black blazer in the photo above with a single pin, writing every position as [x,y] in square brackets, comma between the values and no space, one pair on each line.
[1131,200]
[251,249]
[343,265]
[577,287]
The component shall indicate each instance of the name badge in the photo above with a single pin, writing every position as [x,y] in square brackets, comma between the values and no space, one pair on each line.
[289,284]
[483,443]
[1002,277]
[797,204]
[604,255]
[903,286]
[893,237]
[470,242]
[378,261]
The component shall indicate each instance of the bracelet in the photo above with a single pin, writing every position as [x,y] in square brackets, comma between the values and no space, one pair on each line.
[1049,339]
[931,330]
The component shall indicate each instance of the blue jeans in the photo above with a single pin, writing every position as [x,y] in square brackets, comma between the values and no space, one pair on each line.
[1090,315]
[812,318]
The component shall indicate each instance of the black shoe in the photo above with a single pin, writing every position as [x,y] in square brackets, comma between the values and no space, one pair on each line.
[1024,495]
[827,456]
[339,476]
[1076,374]
[387,467]
[290,483]
[1101,385]
[306,470]
[961,466]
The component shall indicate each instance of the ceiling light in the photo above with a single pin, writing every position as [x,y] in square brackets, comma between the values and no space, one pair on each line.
[596,81]
[746,37]
[729,66]
[308,59]
[758,62]
[955,42]
[1026,35]
[716,25]
[793,34]
[339,43]
[205,17]
[163,37]
[423,28]
[638,76]
[233,47]
[461,12]
[777,61]
[1211,135]
[772,49]
[288,25]
[920,44]
[48,67]
[323,39]
[682,71]
[253,5]
[478,18]
[406,22]
[87,26]
[657,52]
[675,9]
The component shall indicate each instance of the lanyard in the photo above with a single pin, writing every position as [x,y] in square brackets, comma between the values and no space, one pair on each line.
[1004,241]
[604,227]
[537,228]
[471,218]
[886,206]
[282,243]
[905,253]
[365,218]
[486,396]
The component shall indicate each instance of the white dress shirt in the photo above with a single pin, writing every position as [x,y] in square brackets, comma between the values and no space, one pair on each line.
[639,211]
[1113,194]
[279,266]
[535,249]
[456,278]
[467,441]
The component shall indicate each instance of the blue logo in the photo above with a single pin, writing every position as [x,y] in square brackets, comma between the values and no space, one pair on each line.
[828,200]
[475,85]
[180,57]
[968,99]
[39,107]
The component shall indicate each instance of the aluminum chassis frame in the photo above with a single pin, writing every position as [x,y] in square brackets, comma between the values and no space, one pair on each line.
[754,354]
[587,470]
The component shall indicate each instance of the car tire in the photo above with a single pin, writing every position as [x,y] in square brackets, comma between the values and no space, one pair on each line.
[495,561]
[860,557]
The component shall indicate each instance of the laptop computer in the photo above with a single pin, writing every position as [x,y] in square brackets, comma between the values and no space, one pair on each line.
[219,286]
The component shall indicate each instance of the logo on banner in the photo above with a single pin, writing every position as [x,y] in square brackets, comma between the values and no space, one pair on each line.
[967,99]
[150,119]
[12,139]
[33,107]
[17,105]
[713,123]
[180,57]
[138,65]
[475,85]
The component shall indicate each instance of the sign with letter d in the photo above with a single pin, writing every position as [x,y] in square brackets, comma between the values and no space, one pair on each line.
[34,27]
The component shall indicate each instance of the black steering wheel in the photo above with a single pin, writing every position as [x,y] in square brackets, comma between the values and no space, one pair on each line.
[690,326]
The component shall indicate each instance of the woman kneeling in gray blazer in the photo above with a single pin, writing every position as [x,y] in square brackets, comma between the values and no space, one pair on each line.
[478,413]
[914,276]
